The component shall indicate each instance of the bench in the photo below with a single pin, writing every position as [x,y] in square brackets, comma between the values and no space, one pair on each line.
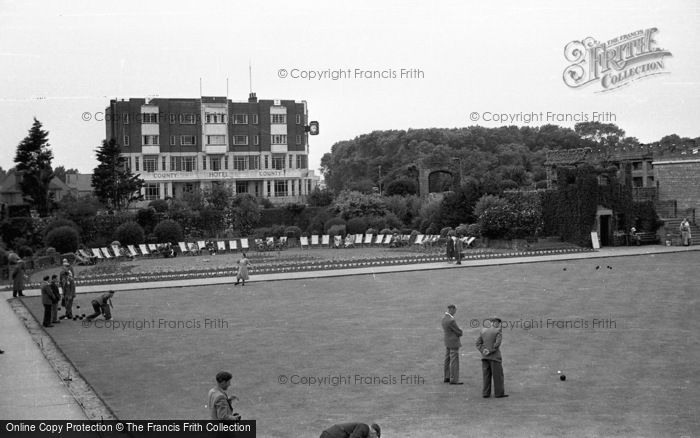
[644,238]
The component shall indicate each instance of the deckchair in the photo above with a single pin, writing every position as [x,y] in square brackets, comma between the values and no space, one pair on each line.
[314,240]
[144,249]
[379,239]
[117,251]
[233,245]
[183,248]
[220,246]
[368,239]
[358,239]
[132,251]
[337,241]
[304,242]
[326,240]
[105,252]
[244,244]
[96,252]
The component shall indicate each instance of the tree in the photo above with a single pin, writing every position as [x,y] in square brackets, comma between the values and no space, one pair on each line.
[243,214]
[33,160]
[112,180]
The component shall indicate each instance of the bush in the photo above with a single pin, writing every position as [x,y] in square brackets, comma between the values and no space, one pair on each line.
[129,233]
[60,223]
[168,231]
[265,203]
[292,232]
[357,225]
[385,231]
[146,217]
[461,230]
[25,251]
[337,230]
[444,232]
[371,231]
[433,228]
[331,222]
[64,239]
[159,205]
[474,230]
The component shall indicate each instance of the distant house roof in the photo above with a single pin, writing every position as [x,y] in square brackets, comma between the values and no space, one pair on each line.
[11,193]
[82,182]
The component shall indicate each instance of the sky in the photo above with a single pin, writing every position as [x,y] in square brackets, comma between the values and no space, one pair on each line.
[465,62]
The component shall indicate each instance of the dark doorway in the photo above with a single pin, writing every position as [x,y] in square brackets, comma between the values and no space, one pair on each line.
[605,230]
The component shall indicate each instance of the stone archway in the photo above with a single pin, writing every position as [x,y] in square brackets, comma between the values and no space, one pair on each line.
[425,174]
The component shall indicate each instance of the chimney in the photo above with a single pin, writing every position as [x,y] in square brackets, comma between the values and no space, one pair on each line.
[252,98]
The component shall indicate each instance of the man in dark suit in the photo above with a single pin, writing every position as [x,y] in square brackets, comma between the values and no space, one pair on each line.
[452,344]
[47,301]
[352,430]
[489,344]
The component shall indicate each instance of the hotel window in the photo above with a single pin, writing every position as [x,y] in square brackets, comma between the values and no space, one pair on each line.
[204,163]
[126,141]
[294,185]
[183,164]
[150,164]
[298,119]
[240,119]
[163,163]
[241,187]
[279,119]
[301,161]
[280,188]
[255,118]
[172,118]
[239,162]
[298,139]
[172,140]
[136,161]
[151,140]
[188,140]
[256,140]
[126,119]
[254,162]
[216,163]
[215,118]
[240,139]
[291,161]
[188,119]
[149,118]
[225,162]
[152,191]
[127,164]
[267,162]
[278,162]
[216,139]
[188,188]
[279,139]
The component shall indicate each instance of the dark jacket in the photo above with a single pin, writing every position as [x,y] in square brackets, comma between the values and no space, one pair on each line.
[490,338]
[347,430]
[452,331]
[46,294]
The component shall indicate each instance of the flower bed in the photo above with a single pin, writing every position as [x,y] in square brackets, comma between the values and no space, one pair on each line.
[297,264]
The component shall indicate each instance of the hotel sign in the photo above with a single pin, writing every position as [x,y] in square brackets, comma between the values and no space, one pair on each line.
[223,175]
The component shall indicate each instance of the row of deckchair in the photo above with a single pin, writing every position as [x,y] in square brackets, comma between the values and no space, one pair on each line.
[355,240]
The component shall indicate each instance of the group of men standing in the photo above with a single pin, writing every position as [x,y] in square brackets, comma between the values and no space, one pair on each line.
[489,345]
[51,295]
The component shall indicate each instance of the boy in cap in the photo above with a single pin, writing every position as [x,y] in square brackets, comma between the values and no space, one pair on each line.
[219,403]
[103,306]
[489,344]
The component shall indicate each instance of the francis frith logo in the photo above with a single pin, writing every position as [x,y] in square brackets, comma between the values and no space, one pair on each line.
[616,62]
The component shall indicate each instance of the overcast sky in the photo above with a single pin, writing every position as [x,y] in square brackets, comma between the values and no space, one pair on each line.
[61,59]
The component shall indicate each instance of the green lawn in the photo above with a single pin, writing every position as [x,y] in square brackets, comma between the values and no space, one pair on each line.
[638,377]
